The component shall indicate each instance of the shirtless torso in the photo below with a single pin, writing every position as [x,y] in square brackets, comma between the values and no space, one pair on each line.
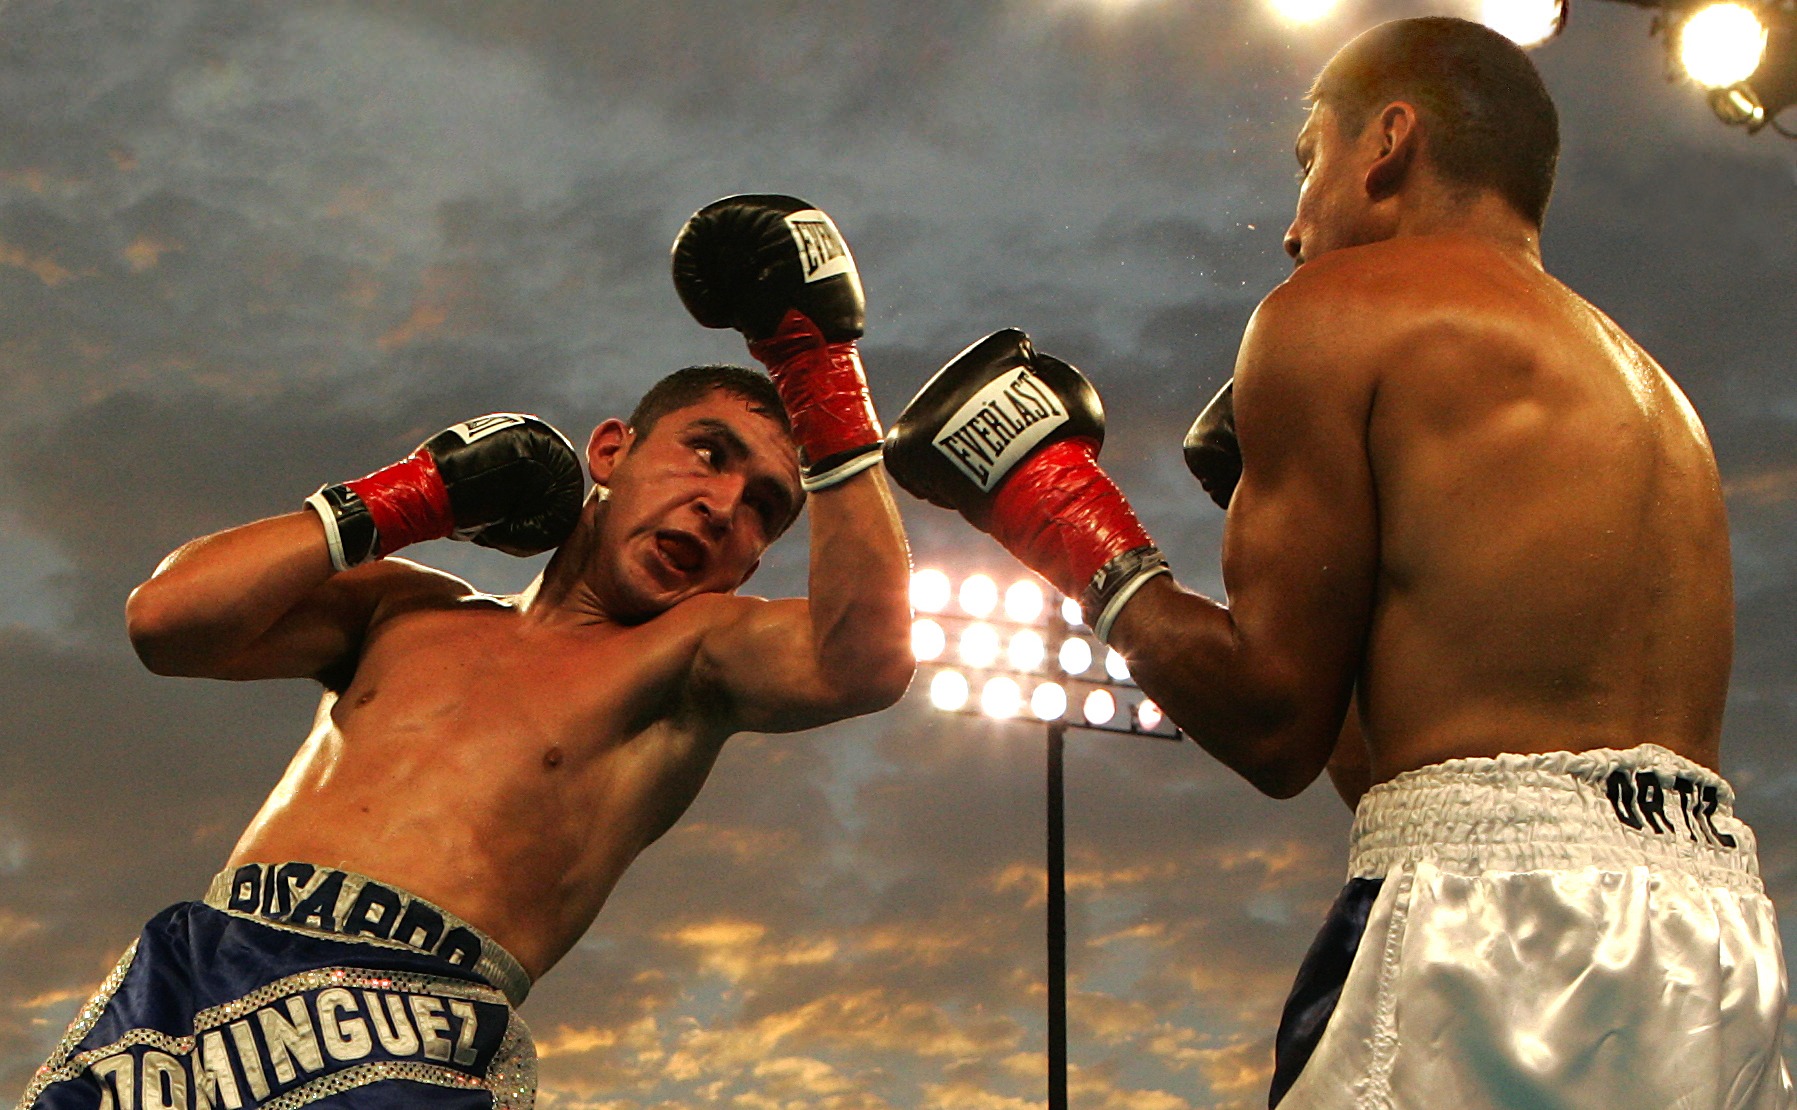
[507,759]
[1474,516]
[1553,561]
[506,768]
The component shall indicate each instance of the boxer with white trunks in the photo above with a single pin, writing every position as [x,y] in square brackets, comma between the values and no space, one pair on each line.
[1477,567]
[482,770]
[1564,929]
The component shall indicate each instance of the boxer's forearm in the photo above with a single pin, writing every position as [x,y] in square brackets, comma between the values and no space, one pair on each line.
[216,595]
[1187,653]
[860,588]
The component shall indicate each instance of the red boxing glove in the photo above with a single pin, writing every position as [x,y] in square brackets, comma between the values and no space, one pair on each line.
[506,481]
[1063,517]
[407,502]
[1009,438]
[825,393]
[777,270]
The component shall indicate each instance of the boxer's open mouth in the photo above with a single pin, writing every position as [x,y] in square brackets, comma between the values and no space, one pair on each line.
[682,552]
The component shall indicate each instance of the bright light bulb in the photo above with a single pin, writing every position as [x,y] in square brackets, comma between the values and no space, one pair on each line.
[948,690]
[1023,601]
[1115,666]
[1071,614]
[1027,650]
[928,640]
[979,596]
[930,590]
[1076,656]
[979,645]
[1524,22]
[1001,697]
[1149,716]
[1722,45]
[1303,11]
[1100,707]
[1048,701]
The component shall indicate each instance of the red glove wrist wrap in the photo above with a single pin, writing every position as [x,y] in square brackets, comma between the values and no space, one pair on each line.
[823,387]
[1063,516]
[407,502]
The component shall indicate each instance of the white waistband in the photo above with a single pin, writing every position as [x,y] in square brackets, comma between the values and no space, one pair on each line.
[1644,807]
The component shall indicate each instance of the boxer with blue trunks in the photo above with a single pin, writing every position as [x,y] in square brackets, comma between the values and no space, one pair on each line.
[1476,567]
[288,986]
[482,770]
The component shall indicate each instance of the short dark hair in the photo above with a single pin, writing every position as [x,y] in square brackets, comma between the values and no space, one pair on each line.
[1489,120]
[692,384]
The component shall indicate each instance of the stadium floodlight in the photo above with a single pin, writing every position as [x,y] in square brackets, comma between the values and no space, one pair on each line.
[1002,673]
[1075,655]
[1023,601]
[978,595]
[1303,11]
[1100,707]
[1026,652]
[980,645]
[948,690]
[928,640]
[1742,52]
[1001,697]
[980,632]
[1049,701]
[1115,665]
[930,591]
[1525,22]
[1721,45]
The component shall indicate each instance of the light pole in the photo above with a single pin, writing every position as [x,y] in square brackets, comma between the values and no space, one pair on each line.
[1030,659]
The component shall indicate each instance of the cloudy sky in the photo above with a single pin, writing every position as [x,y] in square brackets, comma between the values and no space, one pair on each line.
[247,247]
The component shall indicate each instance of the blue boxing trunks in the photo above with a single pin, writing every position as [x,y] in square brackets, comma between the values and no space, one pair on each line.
[294,985]
[1568,930]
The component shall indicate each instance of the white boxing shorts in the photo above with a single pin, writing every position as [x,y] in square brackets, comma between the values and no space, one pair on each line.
[1568,930]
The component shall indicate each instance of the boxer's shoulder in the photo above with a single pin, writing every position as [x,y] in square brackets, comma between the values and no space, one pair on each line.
[1367,313]
[399,585]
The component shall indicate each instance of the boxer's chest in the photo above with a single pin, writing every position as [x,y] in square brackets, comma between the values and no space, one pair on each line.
[507,691]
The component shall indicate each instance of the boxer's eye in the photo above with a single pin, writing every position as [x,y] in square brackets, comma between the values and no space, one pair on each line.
[710,452]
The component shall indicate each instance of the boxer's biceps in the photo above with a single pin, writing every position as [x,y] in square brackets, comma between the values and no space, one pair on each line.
[765,666]
[329,628]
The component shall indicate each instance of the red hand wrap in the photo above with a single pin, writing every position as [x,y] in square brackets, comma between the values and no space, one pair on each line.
[407,502]
[1063,516]
[822,386]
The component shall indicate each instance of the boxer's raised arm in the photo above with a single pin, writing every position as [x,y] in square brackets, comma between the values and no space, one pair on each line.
[1264,683]
[842,651]
[258,601]
[775,269]
[1009,437]
[290,596]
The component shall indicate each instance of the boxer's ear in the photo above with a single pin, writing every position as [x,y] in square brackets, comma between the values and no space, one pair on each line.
[1398,133]
[608,443]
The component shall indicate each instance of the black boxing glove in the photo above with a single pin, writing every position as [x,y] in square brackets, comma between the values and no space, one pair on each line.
[1009,438]
[776,269]
[505,481]
[1212,453]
